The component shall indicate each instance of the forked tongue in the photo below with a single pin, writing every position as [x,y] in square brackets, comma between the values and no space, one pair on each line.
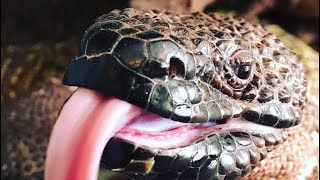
[85,124]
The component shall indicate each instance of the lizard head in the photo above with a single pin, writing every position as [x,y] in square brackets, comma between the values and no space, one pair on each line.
[209,95]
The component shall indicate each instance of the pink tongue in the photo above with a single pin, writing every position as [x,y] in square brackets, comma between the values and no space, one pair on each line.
[86,123]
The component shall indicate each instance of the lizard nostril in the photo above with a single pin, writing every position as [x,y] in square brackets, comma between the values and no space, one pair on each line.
[176,68]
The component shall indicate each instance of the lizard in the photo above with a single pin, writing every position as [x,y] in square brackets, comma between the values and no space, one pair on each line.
[296,134]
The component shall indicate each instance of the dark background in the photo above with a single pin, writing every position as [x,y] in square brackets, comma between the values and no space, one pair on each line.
[32,21]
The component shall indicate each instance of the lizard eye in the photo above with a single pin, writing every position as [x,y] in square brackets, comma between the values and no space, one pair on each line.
[239,69]
[243,71]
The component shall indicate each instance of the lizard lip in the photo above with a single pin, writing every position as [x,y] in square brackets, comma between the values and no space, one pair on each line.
[151,131]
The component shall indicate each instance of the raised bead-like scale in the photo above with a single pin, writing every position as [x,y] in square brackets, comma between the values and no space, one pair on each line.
[218,156]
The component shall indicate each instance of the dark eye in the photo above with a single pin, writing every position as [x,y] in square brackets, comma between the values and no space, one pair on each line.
[243,71]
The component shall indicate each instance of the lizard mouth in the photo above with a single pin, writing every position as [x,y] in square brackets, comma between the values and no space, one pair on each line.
[89,120]
[154,132]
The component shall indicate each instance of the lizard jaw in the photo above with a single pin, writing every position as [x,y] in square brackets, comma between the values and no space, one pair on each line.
[88,121]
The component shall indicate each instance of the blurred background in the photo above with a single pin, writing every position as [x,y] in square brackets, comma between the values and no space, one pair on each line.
[31,21]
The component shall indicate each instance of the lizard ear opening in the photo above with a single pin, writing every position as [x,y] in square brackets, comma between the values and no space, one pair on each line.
[176,68]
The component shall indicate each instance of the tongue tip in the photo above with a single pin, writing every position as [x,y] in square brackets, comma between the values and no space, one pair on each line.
[86,123]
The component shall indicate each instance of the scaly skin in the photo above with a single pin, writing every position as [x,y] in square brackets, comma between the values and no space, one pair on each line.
[193,68]
[298,158]
[286,161]
[31,97]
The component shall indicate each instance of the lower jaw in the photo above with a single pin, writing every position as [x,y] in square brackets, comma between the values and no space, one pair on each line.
[230,154]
